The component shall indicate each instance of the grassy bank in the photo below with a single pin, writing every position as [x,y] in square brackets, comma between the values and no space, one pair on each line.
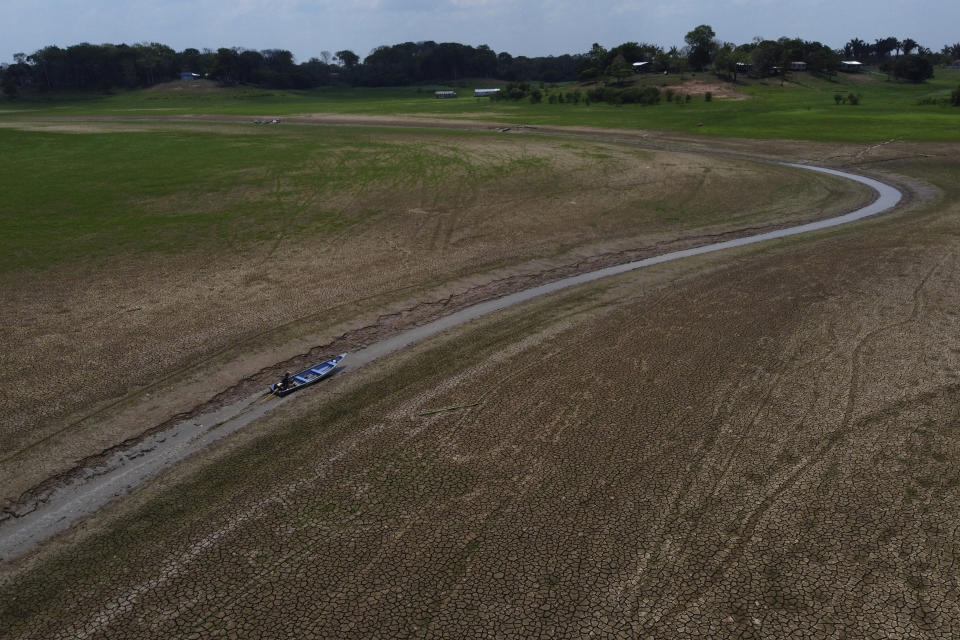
[134,192]
[802,108]
[90,191]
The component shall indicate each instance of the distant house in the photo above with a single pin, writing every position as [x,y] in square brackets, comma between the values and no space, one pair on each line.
[798,66]
[954,65]
[444,94]
[640,67]
[187,76]
[485,93]
[851,66]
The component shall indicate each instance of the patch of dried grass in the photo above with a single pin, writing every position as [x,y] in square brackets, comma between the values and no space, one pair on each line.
[92,333]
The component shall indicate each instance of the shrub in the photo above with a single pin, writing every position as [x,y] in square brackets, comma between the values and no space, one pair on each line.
[912,68]
[853,99]
[955,97]
[536,96]
[633,95]
[595,94]
[513,91]
[708,96]
[669,95]
[839,98]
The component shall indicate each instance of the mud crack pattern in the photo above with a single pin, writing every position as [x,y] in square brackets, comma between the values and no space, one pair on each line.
[768,450]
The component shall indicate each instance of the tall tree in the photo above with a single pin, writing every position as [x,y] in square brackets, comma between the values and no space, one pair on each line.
[702,46]
[619,69]
[765,57]
[857,49]
[729,60]
[884,46]
[347,58]
[593,63]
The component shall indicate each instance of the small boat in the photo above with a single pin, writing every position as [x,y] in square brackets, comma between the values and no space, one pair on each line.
[305,378]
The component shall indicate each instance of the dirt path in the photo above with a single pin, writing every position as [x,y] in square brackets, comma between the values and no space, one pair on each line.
[54,508]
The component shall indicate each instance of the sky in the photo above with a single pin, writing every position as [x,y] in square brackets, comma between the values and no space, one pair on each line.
[531,28]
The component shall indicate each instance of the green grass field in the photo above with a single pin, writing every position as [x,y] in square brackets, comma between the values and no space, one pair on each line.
[105,193]
[802,109]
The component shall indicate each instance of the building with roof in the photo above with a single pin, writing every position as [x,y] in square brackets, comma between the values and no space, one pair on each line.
[851,66]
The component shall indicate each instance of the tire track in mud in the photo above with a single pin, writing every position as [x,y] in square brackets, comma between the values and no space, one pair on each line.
[740,540]
[456,308]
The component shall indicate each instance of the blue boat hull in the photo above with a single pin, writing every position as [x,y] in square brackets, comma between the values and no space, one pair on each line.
[307,377]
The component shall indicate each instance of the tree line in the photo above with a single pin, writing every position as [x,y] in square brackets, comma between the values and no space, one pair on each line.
[760,58]
[106,67]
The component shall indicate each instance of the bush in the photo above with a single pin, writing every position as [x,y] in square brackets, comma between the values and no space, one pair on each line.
[839,98]
[955,97]
[708,96]
[513,91]
[536,96]
[669,95]
[853,99]
[914,69]
[633,95]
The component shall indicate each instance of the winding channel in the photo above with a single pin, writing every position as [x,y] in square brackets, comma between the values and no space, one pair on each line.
[148,458]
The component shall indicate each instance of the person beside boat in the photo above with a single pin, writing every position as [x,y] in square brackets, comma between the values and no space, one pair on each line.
[290,382]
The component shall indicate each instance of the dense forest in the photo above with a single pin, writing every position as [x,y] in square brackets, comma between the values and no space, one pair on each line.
[106,67]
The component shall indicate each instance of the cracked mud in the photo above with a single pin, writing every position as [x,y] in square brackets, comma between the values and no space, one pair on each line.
[762,450]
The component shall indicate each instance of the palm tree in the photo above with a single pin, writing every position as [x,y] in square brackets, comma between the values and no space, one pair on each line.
[883,47]
[856,49]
